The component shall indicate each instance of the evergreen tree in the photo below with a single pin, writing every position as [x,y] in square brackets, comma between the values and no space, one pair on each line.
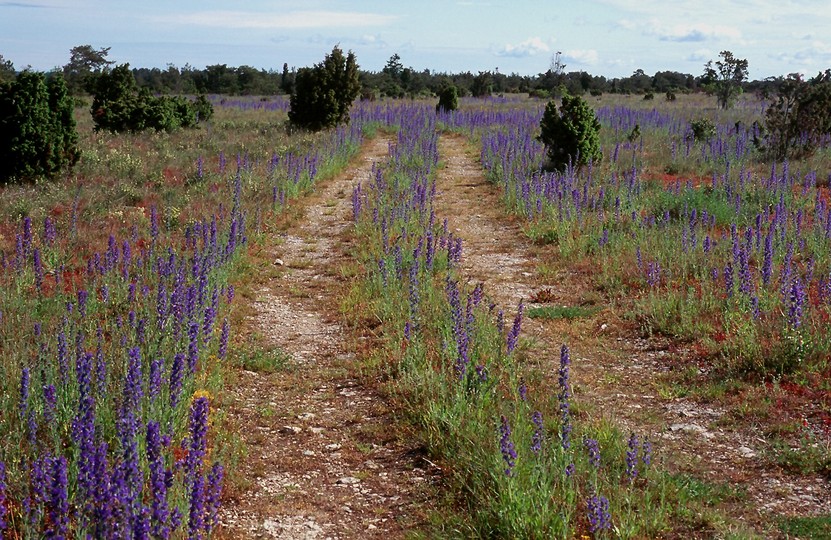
[323,93]
[572,134]
[37,128]
[448,99]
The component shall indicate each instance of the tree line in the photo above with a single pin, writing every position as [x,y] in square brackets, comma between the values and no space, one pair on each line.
[393,80]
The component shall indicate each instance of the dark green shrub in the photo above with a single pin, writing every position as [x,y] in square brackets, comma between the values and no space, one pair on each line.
[482,85]
[203,108]
[670,95]
[703,129]
[595,92]
[118,105]
[323,93]
[572,134]
[448,99]
[368,94]
[649,96]
[37,128]
[800,117]
[115,99]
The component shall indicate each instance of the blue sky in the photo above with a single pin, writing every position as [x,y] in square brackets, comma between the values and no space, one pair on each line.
[604,37]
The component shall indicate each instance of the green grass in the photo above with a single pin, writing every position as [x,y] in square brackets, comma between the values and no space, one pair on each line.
[264,360]
[562,312]
[814,527]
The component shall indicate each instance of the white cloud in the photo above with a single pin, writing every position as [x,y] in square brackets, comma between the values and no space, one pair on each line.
[700,55]
[691,32]
[290,20]
[814,57]
[530,47]
[584,57]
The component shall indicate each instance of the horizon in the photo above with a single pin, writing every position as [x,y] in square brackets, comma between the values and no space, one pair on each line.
[612,38]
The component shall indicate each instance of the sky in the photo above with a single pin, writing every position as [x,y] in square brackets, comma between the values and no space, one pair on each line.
[613,38]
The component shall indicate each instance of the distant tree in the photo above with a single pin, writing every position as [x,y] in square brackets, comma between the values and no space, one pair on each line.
[323,93]
[448,99]
[392,83]
[287,80]
[37,127]
[800,116]
[7,72]
[572,134]
[394,68]
[85,63]
[482,84]
[725,78]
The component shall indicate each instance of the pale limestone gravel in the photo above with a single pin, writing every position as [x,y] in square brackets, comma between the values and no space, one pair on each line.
[317,471]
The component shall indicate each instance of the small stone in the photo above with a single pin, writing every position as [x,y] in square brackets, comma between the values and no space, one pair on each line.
[747,452]
[691,428]
[278,262]
[348,480]
[290,430]
[305,416]
[332,447]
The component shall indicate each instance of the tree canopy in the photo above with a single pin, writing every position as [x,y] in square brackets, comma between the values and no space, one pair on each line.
[323,93]
[726,77]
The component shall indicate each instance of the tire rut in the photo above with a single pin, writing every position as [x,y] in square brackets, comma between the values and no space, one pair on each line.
[323,460]
[614,374]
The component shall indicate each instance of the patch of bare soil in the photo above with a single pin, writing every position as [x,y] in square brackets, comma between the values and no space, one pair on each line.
[324,459]
[615,374]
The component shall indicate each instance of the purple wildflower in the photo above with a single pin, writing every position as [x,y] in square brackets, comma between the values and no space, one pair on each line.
[160,512]
[38,266]
[4,510]
[196,520]
[507,446]
[58,501]
[598,513]
[50,401]
[593,448]
[82,302]
[632,457]
[539,432]
[728,280]
[223,339]
[646,453]
[25,381]
[154,385]
[176,377]
[215,476]
[797,300]
[513,334]
[522,390]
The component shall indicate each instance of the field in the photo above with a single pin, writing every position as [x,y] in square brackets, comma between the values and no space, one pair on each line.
[408,327]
